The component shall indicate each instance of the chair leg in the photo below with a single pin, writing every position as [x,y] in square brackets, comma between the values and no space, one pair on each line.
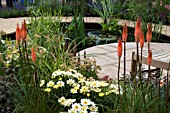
[133,66]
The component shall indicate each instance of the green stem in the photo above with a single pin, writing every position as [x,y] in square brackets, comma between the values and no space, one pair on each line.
[167,89]
[118,76]
[124,62]
[125,72]
[149,74]
[21,57]
[140,77]
[137,61]
[27,55]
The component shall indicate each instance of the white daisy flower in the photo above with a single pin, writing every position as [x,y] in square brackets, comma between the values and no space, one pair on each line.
[57,73]
[85,102]
[95,84]
[42,82]
[103,84]
[84,89]
[114,86]
[70,101]
[62,100]
[96,90]
[73,90]
[55,86]
[70,81]
[81,80]
[50,84]
[93,104]
[47,90]
[72,111]
[84,108]
[76,106]
[76,86]
[83,111]
[60,83]
[93,108]
[68,73]
[77,75]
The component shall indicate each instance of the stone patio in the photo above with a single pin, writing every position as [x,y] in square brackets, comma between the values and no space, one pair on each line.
[106,57]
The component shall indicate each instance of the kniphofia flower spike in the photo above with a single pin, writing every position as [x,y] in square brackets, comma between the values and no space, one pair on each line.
[24,30]
[149,60]
[142,40]
[119,48]
[33,55]
[149,33]
[125,33]
[18,33]
[137,30]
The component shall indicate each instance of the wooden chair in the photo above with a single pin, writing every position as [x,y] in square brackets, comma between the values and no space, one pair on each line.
[160,60]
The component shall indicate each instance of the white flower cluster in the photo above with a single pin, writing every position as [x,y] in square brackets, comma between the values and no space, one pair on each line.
[72,82]
[70,72]
[84,106]
[79,84]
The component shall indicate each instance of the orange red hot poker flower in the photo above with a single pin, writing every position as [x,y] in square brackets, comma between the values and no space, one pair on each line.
[23,30]
[149,33]
[18,33]
[119,48]
[33,54]
[125,33]
[149,60]
[137,30]
[142,40]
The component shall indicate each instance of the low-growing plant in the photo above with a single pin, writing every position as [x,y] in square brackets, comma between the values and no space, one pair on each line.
[77,93]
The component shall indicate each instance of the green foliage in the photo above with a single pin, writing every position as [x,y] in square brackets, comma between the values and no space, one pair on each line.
[31,99]
[6,105]
[9,13]
[111,27]
[107,9]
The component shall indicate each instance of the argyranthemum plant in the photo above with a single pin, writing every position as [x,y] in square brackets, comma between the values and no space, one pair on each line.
[76,92]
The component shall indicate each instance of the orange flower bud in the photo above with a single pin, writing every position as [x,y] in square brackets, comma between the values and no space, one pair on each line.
[125,33]
[18,33]
[142,40]
[24,30]
[33,54]
[149,60]
[119,48]
[149,33]
[137,30]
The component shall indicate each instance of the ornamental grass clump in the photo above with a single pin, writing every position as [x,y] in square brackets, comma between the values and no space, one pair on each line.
[78,93]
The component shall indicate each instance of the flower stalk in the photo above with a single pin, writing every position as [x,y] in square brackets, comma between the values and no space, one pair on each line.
[124,38]
[119,53]
[137,40]
[18,39]
[33,55]
[148,38]
[140,64]
[149,61]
